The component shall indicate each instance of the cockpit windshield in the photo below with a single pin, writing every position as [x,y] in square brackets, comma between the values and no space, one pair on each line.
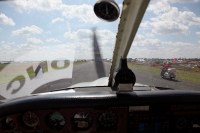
[48,45]
[165,52]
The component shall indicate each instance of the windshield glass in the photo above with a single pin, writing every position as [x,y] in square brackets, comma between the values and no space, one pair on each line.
[52,44]
[166,49]
[49,45]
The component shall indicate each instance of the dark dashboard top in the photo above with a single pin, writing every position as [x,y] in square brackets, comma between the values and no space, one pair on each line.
[98,98]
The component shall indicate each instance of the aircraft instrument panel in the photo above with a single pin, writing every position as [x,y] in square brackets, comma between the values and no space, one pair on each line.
[103,112]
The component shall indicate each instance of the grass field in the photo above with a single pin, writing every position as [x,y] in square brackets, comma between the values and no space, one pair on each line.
[182,75]
[145,68]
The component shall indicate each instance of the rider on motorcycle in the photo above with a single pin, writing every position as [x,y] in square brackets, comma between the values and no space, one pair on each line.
[165,66]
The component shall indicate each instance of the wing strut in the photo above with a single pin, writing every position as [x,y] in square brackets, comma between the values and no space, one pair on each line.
[132,14]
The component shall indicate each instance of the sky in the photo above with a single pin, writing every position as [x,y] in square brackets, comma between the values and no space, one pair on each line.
[57,29]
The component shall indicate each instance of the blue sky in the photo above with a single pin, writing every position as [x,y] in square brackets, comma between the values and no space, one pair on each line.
[56,29]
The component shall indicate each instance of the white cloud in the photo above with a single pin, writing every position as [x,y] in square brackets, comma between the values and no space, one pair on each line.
[105,34]
[27,30]
[198,33]
[38,52]
[33,40]
[6,20]
[4,48]
[183,1]
[158,7]
[53,40]
[80,34]
[167,50]
[42,5]
[84,40]
[83,13]
[154,48]
[55,20]
[81,42]
[32,52]
[143,41]
[168,27]
[170,20]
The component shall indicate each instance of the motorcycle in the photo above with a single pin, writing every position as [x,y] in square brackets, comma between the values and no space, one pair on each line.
[168,73]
